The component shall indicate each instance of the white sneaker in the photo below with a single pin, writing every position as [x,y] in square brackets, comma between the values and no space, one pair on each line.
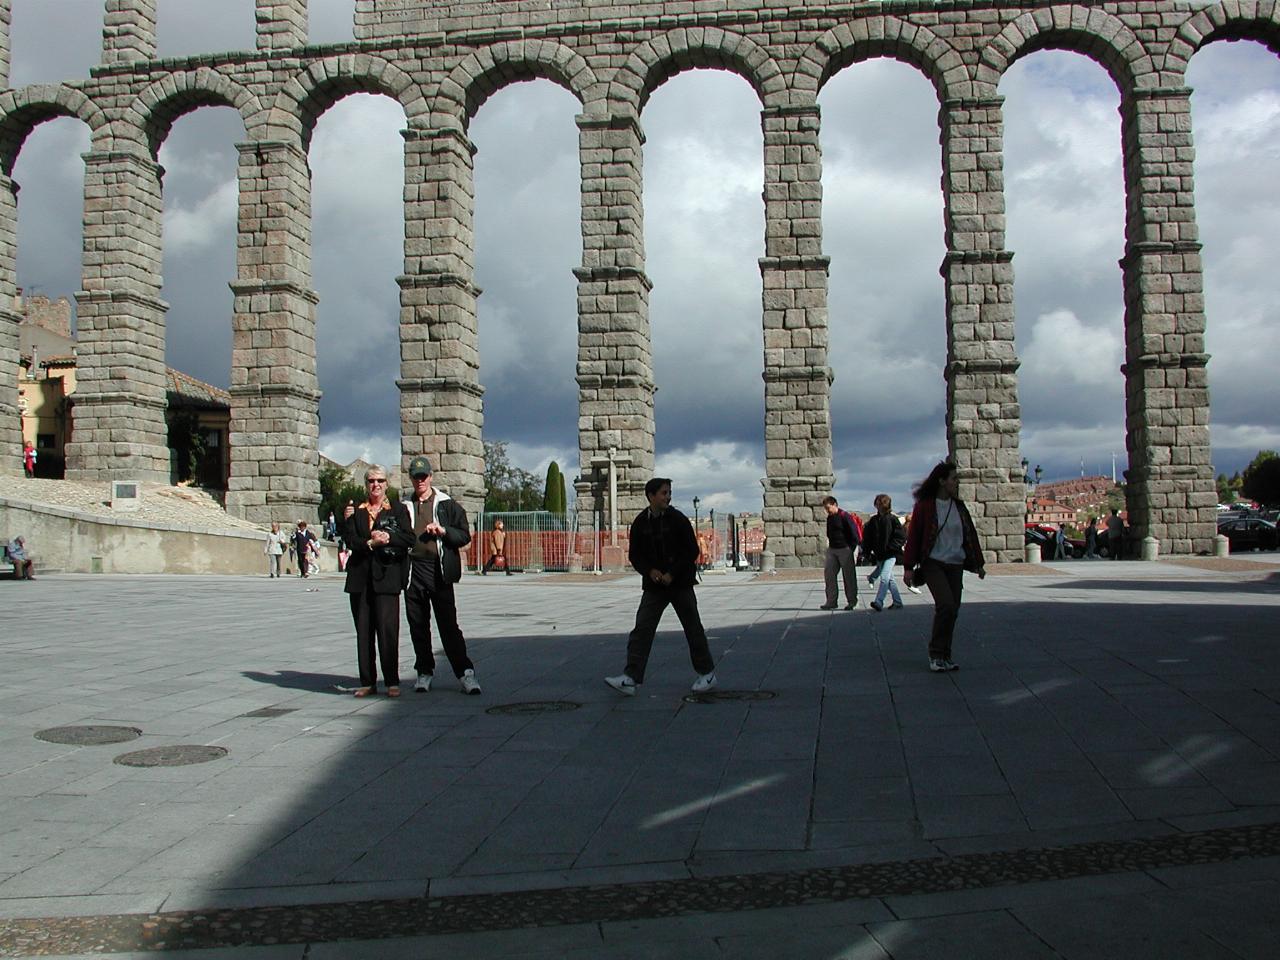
[914,589]
[469,683]
[424,683]
[938,665]
[704,682]
[623,684]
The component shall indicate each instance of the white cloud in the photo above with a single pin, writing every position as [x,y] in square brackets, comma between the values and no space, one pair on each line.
[191,229]
[348,444]
[1071,353]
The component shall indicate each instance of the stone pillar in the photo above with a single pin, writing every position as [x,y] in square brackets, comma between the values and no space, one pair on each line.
[10,368]
[275,398]
[1171,490]
[6,15]
[615,353]
[797,379]
[118,412]
[983,415]
[281,24]
[441,411]
[129,31]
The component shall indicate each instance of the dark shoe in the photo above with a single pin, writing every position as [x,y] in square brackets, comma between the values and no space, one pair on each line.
[877,607]
[851,605]
[827,606]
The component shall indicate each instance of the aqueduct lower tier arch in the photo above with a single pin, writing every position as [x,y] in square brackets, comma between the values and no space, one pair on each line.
[440,60]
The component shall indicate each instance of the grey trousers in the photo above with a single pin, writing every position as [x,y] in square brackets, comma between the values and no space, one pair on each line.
[840,559]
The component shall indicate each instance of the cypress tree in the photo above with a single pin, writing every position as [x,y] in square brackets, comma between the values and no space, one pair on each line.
[562,501]
[550,488]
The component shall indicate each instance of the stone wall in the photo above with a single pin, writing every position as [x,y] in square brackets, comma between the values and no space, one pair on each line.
[440,61]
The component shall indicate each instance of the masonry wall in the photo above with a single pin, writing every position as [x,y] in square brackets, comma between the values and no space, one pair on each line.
[441,61]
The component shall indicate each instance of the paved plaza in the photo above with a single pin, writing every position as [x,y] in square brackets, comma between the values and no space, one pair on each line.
[1100,778]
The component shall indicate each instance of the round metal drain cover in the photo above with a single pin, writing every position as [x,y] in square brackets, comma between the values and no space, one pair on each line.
[89,736]
[179,755]
[534,706]
[714,696]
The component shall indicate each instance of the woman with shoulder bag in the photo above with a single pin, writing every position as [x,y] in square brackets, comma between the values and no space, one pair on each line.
[379,535]
[942,543]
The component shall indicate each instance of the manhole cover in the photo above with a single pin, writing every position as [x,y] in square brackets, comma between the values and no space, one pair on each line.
[179,755]
[269,712]
[713,696]
[89,736]
[534,706]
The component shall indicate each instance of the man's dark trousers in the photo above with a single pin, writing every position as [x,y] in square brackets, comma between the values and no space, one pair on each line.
[427,590]
[653,603]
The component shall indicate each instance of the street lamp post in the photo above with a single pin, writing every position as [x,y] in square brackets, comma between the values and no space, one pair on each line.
[696,501]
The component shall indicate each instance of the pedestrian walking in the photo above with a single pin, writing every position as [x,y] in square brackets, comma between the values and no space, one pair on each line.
[942,543]
[440,530]
[274,549]
[303,540]
[664,551]
[497,549]
[882,541]
[1115,535]
[1091,539]
[29,457]
[842,540]
[379,534]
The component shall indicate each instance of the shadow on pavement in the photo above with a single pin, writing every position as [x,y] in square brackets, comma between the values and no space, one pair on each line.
[296,680]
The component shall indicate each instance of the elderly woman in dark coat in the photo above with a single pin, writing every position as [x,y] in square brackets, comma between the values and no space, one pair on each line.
[379,534]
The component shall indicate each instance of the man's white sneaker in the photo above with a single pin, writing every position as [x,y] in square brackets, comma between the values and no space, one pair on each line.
[704,682]
[913,588]
[938,665]
[423,683]
[469,683]
[623,684]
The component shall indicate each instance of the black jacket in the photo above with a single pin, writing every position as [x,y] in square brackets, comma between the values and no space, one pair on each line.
[457,533]
[882,538]
[379,569]
[665,543]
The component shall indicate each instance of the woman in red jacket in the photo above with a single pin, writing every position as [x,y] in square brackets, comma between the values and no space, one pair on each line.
[943,543]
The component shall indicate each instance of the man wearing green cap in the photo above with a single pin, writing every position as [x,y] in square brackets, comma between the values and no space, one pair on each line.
[440,530]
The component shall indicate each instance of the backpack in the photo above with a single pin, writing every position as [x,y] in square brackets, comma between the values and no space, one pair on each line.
[854,521]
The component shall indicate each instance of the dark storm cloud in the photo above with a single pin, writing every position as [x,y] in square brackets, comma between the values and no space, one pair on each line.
[704,227]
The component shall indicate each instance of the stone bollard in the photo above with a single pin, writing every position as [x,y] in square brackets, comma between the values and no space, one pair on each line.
[768,562]
[1221,546]
[1150,548]
[1031,552]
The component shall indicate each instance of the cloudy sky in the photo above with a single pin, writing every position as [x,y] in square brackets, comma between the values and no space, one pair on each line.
[704,226]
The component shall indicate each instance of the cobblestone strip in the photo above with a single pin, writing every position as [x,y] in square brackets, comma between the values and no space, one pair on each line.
[379,919]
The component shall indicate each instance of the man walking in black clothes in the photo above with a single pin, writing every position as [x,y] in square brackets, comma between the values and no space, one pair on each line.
[842,539]
[664,552]
[440,529]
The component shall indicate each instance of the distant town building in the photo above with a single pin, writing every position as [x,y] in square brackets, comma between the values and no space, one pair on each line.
[198,414]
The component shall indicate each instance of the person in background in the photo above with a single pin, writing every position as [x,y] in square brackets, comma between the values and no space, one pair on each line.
[29,458]
[303,539]
[23,568]
[942,543]
[1091,539]
[497,549]
[882,542]
[842,540]
[275,548]
[1115,534]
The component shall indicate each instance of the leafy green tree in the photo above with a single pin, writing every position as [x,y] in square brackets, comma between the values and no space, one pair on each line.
[508,487]
[337,489]
[1262,478]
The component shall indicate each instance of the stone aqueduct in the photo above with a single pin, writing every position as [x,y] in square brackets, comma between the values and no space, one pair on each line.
[441,60]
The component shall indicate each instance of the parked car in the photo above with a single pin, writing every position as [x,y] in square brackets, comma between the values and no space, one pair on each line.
[1249,533]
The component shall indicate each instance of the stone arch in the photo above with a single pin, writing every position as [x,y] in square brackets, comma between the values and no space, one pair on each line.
[656,61]
[157,108]
[23,110]
[314,90]
[888,37]
[1087,30]
[1216,22]
[485,72]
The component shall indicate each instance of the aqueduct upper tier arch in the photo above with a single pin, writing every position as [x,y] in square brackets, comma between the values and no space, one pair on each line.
[440,60]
